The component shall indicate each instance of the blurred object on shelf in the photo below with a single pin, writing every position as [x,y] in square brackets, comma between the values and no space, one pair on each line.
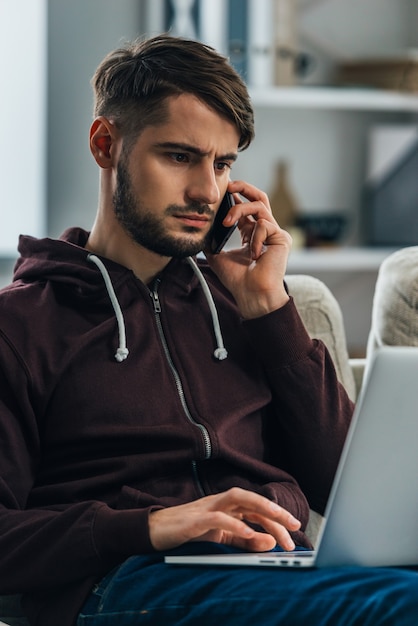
[264,43]
[323,229]
[285,42]
[290,63]
[298,237]
[182,19]
[302,65]
[283,201]
[395,73]
[388,144]
[390,199]
[260,43]
[237,35]
[213,23]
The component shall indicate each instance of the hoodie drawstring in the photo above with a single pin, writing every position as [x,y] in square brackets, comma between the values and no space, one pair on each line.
[122,351]
[220,352]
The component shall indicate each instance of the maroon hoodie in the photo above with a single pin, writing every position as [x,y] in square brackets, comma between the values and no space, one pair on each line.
[91,443]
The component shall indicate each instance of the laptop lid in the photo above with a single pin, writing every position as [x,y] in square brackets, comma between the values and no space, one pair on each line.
[372,511]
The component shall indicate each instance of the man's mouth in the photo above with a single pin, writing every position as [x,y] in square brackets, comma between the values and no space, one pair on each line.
[194,220]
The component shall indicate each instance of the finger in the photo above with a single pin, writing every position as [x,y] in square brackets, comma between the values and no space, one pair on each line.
[241,188]
[174,526]
[230,529]
[264,232]
[257,204]
[248,211]
[259,542]
[280,517]
[276,530]
[240,502]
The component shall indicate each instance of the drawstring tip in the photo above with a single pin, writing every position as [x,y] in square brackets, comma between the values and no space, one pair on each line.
[121,354]
[220,354]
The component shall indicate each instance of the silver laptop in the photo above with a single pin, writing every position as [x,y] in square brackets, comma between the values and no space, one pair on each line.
[372,512]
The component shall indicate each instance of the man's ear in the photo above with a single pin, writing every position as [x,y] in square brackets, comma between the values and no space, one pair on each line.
[103,136]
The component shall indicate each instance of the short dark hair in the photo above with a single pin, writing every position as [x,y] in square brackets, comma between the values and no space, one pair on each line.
[132,83]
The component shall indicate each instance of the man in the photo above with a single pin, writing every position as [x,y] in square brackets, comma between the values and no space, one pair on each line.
[149,402]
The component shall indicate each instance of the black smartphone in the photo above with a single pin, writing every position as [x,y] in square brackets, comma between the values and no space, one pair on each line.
[221,233]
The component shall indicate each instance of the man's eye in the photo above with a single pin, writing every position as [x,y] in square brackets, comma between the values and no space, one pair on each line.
[179,157]
[221,166]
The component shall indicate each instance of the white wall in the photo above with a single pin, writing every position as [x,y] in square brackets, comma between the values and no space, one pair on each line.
[79,33]
[22,114]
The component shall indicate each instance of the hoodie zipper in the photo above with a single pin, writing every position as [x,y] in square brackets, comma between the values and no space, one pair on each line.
[204,432]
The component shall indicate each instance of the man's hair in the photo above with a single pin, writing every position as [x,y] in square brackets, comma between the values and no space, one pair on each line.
[132,84]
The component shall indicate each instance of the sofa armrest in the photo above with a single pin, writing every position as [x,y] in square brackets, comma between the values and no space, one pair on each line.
[357,367]
[322,316]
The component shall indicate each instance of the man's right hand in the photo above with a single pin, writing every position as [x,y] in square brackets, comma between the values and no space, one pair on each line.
[222,518]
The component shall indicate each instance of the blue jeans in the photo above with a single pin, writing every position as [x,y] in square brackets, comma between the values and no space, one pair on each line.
[146,591]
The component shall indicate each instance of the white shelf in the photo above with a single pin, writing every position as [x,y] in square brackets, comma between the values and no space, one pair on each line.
[337,259]
[334,98]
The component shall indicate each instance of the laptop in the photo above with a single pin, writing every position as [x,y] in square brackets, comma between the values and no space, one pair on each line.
[371,517]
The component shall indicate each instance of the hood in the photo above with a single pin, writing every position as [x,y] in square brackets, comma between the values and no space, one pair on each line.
[65,260]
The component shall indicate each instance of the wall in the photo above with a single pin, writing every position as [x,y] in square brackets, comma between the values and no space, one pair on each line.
[80,33]
[23,127]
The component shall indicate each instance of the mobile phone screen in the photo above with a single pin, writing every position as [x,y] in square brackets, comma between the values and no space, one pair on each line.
[221,233]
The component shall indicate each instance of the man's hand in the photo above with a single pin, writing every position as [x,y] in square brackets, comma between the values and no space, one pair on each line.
[254,273]
[222,518]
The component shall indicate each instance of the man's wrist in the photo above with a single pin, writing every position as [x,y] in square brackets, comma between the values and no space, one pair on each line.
[259,307]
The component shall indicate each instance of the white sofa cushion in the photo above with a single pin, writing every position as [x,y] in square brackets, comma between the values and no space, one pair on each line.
[395,303]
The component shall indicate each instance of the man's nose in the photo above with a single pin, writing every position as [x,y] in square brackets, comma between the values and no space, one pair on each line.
[203,186]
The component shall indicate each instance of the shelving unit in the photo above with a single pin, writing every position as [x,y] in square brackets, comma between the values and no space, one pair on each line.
[344,259]
[337,259]
[342,99]
[335,98]
[347,108]
[323,133]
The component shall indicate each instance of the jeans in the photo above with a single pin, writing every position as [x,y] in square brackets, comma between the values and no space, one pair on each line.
[146,591]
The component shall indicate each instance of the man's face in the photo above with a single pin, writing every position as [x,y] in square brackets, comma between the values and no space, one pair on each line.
[170,184]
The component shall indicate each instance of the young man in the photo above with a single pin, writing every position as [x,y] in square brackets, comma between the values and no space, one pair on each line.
[149,401]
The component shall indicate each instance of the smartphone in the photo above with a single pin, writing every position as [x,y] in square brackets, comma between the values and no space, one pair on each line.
[221,233]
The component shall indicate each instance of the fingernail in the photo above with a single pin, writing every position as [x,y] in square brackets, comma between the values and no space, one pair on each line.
[290,545]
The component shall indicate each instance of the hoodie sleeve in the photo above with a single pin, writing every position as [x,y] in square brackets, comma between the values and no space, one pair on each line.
[76,540]
[312,410]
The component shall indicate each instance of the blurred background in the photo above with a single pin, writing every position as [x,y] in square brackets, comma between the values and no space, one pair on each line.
[335,89]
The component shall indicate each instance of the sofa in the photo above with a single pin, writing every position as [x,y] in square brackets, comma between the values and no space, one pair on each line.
[394,319]
[394,316]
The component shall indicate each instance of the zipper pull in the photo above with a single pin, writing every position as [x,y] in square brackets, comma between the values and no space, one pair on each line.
[156,301]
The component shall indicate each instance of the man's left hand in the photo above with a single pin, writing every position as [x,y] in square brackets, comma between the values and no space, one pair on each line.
[254,273]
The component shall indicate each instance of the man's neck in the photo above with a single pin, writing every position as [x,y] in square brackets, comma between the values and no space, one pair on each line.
[118,247]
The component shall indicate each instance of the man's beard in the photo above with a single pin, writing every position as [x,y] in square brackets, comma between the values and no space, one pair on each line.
[148,230]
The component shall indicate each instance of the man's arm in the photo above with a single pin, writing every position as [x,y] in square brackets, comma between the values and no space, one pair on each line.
[44,547]
[312,409]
